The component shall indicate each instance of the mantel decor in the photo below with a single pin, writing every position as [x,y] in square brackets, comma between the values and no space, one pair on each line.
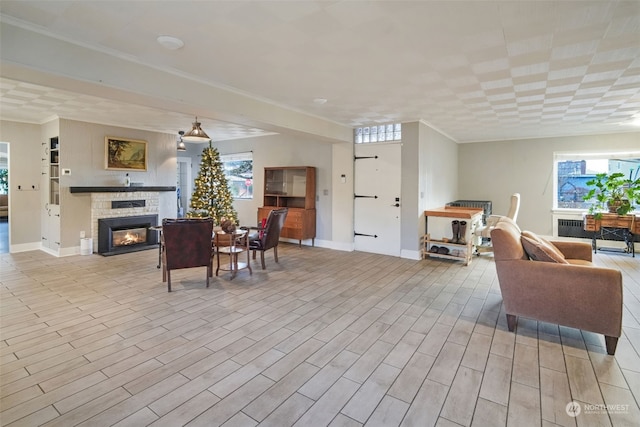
[125,154]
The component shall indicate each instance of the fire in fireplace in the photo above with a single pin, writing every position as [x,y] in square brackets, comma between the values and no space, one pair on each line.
[126,234]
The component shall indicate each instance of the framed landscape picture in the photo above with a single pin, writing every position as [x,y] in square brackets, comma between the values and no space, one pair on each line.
[125,154]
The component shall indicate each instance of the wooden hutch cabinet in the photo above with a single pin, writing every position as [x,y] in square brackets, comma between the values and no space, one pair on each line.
[292,187]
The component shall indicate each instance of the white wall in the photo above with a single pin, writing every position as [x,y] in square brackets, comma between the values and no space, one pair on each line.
[495,170]
[438,173]
[429,179]
[284,150]
[342,215]
[24,170]
[81,150]
[435,171]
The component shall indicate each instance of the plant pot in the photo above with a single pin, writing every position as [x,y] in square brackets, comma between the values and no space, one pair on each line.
[614,205]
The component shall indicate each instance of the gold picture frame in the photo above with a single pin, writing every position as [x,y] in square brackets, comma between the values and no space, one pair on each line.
[124,154]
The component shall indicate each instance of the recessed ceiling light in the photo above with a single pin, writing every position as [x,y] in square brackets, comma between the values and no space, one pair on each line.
[319,101]
[170,42]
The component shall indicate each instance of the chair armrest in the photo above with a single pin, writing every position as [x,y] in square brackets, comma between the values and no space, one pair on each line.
[485,230]
[253,235]
[575,250]
[492,220]
[584,297]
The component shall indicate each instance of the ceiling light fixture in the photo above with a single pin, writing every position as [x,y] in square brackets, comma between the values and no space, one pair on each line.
[170,42]
[196,134]
[320,101]
[181,146]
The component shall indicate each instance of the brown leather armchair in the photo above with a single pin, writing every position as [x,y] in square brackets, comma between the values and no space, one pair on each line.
[186,243]
[269,235]
[571,292]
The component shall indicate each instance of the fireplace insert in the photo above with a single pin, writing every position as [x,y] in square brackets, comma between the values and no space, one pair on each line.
[126,234]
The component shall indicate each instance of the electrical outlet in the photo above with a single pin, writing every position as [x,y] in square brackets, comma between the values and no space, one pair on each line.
[66,172]
[82,234]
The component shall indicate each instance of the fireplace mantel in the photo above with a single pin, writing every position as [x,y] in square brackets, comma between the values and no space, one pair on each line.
[118,189]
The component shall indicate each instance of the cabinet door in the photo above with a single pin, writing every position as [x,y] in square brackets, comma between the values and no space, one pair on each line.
[51,227]
[54,228]
[293,225]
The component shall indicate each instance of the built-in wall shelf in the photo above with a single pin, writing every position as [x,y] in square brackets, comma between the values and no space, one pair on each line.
[118,189]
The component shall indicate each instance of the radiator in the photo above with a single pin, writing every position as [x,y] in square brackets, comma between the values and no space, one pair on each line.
[574,228]
[484,204]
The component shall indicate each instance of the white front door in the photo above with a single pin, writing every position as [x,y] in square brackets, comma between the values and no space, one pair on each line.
[377,198]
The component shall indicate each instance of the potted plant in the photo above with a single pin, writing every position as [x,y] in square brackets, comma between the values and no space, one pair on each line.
[613,193]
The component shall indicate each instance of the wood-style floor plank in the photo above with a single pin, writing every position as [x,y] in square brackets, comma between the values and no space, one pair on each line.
[322,338]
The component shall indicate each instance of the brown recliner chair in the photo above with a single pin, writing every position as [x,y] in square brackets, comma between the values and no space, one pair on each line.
[571,291]
[186,243]
[269,235]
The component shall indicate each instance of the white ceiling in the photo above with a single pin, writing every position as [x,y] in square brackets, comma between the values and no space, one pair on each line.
[474,70]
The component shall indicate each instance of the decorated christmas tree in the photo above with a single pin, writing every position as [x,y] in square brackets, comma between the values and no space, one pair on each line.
[211,196]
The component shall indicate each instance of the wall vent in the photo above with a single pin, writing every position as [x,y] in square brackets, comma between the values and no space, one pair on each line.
[127,204]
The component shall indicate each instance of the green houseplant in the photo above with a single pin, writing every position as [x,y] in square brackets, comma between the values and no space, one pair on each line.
[4,181]
[613,193]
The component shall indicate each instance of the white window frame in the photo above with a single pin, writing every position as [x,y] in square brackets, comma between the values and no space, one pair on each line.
[226,158]
[563,156]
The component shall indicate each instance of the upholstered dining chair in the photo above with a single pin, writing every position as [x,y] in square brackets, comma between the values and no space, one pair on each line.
[186,243]
[268,236]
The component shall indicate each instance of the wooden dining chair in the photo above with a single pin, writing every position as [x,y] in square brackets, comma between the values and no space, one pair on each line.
[269,235]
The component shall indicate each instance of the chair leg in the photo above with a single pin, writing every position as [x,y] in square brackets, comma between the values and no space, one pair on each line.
[208,273]
[611,343]
[262,259]
[210,269]
[511,322]
[169,279]
[275,253]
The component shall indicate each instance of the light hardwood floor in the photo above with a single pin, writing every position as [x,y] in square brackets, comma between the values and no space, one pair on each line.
[322,338]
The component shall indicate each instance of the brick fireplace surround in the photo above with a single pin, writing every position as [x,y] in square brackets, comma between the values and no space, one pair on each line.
[101,207]
[102,198]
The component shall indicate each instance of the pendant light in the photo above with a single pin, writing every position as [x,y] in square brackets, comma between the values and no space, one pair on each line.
[181,146]
[196,134]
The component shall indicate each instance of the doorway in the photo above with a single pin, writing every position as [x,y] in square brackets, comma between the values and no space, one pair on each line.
[377,185]
[183,186]
[4,197]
